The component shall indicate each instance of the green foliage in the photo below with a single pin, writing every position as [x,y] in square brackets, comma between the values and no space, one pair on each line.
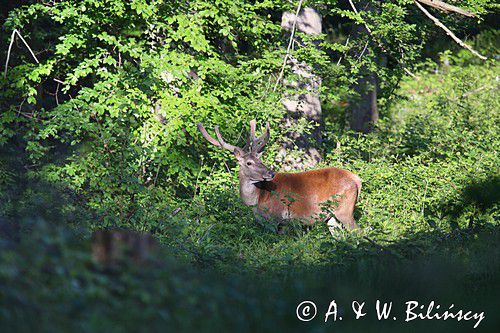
[120,86]
[102,133]
[421,168]
[126,101]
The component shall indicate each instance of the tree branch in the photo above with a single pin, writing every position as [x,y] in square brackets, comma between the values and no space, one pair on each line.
[446,7]
[407,71]
[448,31]
[299,6]
[357,13]
[8,52]
[10,48]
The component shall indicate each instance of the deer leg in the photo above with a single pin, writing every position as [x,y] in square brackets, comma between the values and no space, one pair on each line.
[333,225]
[347,220]
[268,222]
[345,212]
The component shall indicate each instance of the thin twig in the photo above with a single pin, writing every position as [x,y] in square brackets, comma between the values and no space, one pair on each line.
[382,248]
[10,48]
[363,52]
[448,31]
[8,52]
[29,48]
[197,179]
[228,170]
[57,92]
[289,45]
[472,92]
[475,91]
[176,211]
[407,71]
[21,106]
[425,195]
[357,13]
[452,184]
[156,175]
[346,43]
[205,234]
[373,242]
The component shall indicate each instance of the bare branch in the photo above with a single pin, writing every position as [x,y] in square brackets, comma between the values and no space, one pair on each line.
[346,43]
[29,48]
[12,36]
[205,234]
[56,94]
[299,6]
[475,91]
[446,7]
[407,71]
[8,52]
[363,52]
[448,31]
[356,11]
[176,211]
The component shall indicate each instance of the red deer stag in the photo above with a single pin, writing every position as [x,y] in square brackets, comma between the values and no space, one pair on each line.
[269,192]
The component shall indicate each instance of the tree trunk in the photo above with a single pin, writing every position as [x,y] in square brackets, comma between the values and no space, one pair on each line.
[298,150]
[363,110]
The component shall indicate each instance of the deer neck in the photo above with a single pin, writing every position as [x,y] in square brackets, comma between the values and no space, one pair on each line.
[249,193]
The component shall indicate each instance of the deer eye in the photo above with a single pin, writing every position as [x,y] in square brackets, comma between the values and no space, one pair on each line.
[249,163]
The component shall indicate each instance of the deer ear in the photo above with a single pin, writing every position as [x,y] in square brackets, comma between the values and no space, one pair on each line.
[238,153]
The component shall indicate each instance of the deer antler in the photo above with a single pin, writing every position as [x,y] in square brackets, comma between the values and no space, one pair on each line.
[253,125]
[219,142]
[251,136]
[256,144]
[262,140]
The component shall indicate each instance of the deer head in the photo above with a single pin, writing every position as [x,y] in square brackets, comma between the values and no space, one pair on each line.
[251,167]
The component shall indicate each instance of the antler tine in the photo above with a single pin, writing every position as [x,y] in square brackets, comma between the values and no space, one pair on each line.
[223,144]
[253,125]
[262,140]
[219,142]
[207,136]
[251,136]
